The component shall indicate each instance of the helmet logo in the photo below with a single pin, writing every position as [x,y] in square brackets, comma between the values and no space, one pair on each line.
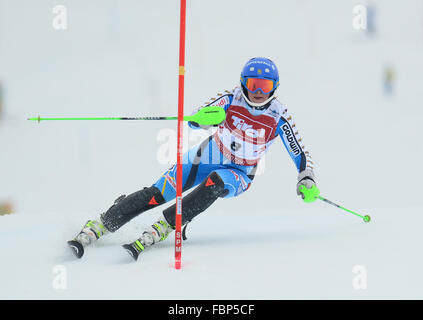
[259,71]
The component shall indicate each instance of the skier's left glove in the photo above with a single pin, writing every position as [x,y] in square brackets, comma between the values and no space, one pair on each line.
[306,186]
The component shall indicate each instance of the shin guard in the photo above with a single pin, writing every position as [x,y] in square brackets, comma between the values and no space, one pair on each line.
[126,208]
[198,200]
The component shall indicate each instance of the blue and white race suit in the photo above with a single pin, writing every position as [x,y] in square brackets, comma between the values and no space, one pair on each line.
[237,146]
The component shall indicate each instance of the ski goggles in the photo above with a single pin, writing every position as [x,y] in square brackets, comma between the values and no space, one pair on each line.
[264,85]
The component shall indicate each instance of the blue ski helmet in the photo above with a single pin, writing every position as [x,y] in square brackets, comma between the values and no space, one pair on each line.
[259,68]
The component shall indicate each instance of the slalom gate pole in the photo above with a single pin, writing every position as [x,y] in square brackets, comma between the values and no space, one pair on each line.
[178,213]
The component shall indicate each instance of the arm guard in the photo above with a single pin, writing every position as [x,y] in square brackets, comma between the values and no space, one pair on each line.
[223,100]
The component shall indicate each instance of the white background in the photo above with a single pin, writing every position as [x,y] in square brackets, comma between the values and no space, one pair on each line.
[120,58]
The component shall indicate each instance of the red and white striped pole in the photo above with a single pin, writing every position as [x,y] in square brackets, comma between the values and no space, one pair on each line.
[178,220]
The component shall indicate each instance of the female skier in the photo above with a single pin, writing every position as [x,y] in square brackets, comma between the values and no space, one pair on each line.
[222,166]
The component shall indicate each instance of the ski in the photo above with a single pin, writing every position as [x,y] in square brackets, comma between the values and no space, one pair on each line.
[134,248]
[77,248]
[134,253]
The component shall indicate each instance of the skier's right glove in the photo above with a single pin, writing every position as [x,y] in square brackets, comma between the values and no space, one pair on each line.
[306,186]
[195,125]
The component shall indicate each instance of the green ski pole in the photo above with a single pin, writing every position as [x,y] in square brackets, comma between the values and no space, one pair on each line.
[206,116]
[365,218]
[313,193]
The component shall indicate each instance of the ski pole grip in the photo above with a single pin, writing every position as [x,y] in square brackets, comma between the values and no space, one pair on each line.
[310,195]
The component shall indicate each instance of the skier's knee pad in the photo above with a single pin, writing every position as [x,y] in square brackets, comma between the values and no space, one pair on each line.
[126,208]
[236,181]
[198,200]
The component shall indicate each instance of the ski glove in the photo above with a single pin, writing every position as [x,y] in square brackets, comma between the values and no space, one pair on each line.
[195,124]
[306,186]
[205,127]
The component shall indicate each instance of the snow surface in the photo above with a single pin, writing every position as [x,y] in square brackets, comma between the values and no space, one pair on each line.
[121,59]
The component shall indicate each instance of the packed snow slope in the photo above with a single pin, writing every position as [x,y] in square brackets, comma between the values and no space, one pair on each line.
[120,58]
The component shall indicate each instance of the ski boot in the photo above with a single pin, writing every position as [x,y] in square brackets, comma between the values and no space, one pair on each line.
[90,233]
[154,234]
